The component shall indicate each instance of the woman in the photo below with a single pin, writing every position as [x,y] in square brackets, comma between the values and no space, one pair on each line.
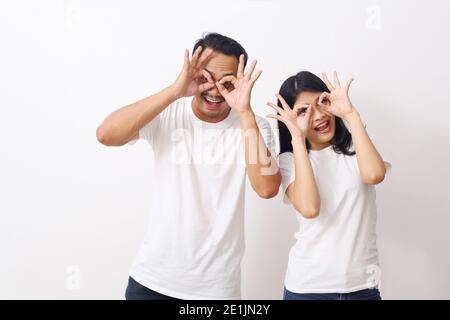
[329,167]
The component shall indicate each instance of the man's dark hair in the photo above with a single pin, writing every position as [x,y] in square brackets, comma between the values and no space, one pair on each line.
[222,44]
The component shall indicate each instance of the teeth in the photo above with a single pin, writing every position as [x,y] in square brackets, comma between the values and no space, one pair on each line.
[322,126]
[213,101]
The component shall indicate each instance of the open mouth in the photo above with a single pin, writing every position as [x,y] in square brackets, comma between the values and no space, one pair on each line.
[323,127]
[213,102]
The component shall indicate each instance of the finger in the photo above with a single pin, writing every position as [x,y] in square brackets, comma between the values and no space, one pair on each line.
[207,75]
[323,97]
[307,114]
[186,58]
[327,82]
[231,79]
[337,84]
[283,102]
[240,73]
[205,57]
[347,85]
[275,116]
[205,87]
[250,70]
[195,56]
[223,91]
[275,107]
[308,117]
[255,77]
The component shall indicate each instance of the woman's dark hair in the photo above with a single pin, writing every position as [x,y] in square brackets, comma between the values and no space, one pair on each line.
[222,44]
[309,82]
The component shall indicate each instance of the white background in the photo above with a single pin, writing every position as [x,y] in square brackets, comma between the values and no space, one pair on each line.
[73,212]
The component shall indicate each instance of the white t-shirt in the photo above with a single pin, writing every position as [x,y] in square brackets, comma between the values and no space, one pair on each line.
[337,251]
[195,239]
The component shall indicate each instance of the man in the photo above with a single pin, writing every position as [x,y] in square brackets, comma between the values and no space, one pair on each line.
[205,139]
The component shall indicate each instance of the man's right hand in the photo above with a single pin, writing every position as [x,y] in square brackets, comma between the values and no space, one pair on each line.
[187,83]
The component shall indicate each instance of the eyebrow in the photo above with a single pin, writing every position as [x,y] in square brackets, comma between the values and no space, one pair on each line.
[226,74]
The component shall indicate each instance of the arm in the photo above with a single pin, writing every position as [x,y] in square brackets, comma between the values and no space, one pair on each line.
[370,163]
[262,170]
[303,192]
[124,124]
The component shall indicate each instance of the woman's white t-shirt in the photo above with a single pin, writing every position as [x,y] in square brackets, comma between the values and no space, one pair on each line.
[337,251]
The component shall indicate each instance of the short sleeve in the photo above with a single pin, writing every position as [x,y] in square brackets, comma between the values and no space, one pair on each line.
[286,162]
[388,167]
[148,131]
[266,132]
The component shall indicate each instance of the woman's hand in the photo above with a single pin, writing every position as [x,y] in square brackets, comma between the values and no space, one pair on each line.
[297,119]
[337,102]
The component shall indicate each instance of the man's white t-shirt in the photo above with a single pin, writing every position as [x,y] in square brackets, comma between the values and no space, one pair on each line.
[195,239]
[337,251]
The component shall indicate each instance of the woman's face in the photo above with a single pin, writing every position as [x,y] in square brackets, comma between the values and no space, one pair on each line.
[323,123]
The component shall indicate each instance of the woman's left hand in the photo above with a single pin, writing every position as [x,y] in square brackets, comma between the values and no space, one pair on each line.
[337,102]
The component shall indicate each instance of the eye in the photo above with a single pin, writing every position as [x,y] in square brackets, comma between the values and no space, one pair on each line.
[228,85]
[302,109]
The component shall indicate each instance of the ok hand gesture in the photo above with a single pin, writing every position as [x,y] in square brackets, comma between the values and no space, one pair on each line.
[186,84]
[238,97]
[297,119]
[337,102]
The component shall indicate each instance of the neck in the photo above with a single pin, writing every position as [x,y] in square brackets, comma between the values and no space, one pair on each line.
[319,146]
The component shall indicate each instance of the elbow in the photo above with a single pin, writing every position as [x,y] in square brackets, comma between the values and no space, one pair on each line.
[105,138]
[268,193]
[374,178]
[102,136]
[309,212]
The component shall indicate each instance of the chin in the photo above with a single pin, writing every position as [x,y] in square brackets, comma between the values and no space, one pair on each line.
[215,110]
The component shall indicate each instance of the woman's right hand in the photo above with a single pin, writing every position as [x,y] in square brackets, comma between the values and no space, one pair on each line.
[297,119]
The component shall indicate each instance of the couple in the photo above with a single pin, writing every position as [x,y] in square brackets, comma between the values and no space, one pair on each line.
[327,168]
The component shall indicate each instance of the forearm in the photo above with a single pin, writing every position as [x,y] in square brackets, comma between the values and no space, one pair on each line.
[370,162]
[262,169]
[123,124]
[304,194]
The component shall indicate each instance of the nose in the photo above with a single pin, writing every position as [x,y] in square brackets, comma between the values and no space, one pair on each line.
[317,113]
[214,91]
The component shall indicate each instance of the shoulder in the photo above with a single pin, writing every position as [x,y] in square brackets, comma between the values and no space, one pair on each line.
[178,108]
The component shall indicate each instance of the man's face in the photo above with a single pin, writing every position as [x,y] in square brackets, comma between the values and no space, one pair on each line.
[210,105]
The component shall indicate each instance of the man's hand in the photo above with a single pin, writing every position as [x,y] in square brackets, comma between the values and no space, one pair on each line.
[186,84]
[238,96]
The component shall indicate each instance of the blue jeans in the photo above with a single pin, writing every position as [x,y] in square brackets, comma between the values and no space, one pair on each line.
[136,291]
[366,294]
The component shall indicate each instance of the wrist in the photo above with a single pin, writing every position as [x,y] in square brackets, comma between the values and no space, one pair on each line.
[298,140]
[352,116]
[246,113]
[173,92]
